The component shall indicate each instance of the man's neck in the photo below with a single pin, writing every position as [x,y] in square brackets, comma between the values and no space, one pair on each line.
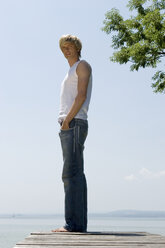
[72,61]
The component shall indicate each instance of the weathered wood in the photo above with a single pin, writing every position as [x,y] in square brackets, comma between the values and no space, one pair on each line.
[75,246]
[92,239]
[113,246]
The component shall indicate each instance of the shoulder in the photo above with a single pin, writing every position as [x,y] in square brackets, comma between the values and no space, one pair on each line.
[84,66]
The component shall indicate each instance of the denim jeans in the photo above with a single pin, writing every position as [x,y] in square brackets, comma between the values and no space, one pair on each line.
[75,187]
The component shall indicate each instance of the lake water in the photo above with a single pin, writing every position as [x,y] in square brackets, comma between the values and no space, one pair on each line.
[13,230]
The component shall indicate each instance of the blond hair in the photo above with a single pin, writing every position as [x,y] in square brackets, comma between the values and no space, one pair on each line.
[73,39]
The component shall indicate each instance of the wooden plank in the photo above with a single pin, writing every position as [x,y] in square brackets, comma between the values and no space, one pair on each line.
[116,246]
[55,239]
[98,243]
[94,233]
[100,238]
[92,239]
[111,246]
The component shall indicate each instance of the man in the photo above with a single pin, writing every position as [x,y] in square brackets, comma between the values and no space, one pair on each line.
[75,97]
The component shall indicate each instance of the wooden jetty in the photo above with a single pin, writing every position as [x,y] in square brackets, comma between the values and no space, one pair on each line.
[92,240]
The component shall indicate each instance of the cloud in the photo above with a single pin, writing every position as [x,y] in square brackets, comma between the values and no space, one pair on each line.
[145,174]
[130,178]
[149,174]
[160,174]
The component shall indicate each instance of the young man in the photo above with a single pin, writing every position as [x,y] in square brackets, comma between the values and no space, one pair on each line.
[75,97]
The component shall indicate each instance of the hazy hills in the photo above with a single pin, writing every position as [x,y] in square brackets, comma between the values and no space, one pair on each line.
[137,213]
[117,214]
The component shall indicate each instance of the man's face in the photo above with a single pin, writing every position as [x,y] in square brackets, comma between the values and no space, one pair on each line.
[69,50]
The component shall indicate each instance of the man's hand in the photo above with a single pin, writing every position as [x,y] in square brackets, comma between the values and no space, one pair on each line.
[65,125]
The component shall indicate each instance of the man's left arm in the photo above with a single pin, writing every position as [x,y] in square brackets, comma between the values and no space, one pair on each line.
[83,73]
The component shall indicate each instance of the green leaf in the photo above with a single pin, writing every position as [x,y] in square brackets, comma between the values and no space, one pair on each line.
[139,39]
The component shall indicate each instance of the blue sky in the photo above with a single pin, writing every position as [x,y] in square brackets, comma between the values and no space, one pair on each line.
[124,155]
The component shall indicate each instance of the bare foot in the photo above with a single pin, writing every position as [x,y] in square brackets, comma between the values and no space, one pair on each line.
[61,229]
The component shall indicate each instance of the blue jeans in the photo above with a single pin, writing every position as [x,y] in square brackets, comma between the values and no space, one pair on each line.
[75,187]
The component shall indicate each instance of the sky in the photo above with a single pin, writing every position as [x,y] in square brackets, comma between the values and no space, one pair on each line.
[124,150]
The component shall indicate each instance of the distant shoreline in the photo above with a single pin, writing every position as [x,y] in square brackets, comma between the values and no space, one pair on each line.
[113,214]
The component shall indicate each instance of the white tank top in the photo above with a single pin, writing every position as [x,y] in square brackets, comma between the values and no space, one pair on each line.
[69,92]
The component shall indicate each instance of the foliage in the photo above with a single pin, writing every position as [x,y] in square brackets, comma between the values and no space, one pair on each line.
[140,39]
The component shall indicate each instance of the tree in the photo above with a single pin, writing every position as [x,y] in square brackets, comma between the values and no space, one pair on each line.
[140,39]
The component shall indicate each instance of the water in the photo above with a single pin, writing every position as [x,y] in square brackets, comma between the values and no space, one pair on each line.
[13,230]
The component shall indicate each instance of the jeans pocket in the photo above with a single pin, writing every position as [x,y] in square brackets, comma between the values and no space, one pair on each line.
[66,132]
